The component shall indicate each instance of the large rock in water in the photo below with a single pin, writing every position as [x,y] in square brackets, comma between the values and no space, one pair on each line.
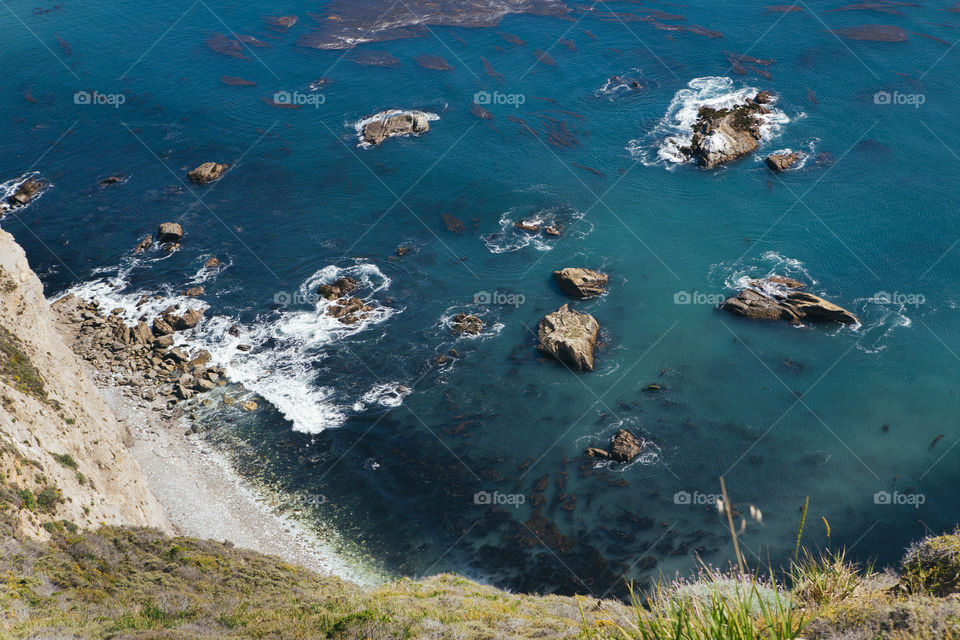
[25,192]
[207,172]
[169,232]
[782,161]
[569,336]
[723,135]
[581,283]
[777,298]
[396,125]
[625,447]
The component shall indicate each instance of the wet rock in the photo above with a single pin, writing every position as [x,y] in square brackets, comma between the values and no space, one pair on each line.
[142,333]
[523,225]
[250,405]
[243,347]
[207,172]
[402,251]
[764,97]
[569,336]
[169,232]
[593,452]
[551,230]
[404,123]
[194,291]
[463,323]
[625,447]
[724,135]
[581,283]
[350,310]
[777,298]
[234,331]
[163,341]
[212,263]
[111,180]
[205,385]
[177,355]
[188,320]
[144,244]
[783,161]
[182,392]
[338,288]
[24,193]
[162,328]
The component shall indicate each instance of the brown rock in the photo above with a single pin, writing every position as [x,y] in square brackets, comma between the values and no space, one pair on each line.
[757,306]
[207,172]
[249,406]
[194,291]
[161,327]
[593,452]
[463,323]
[212,263]
[397,125]
[144,244]
[169,232]
[523,225]
[569,336]
[764,97]
[551,230]
[581,283]
[25,192]
[625,447]
[350,310]
[781,162]
[188,320]
[142,333]
[338,288]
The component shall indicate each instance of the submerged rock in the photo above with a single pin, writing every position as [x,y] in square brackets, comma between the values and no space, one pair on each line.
[207,172]
[777,298]
[782,161]
[581,283]
[569,336]
[398,124]
[144,244]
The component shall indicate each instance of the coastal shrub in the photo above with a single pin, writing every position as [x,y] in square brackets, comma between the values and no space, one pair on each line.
[48,498]
[16,368]
[932,566]
[29,500]
[65,459]
[827,578]
[712,607]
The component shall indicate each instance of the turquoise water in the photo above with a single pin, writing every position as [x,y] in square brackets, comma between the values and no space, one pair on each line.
[836,414]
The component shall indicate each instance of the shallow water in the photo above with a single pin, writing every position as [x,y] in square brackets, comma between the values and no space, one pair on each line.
[836,414]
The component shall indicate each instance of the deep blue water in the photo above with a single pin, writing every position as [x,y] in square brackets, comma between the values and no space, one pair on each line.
[782,412]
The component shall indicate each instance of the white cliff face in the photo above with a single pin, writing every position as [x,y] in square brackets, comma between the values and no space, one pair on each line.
[100,483]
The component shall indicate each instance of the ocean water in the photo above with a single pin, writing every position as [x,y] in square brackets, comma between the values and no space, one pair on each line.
[476,465]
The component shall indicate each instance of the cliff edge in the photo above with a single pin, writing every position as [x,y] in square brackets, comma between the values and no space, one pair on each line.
[63,457]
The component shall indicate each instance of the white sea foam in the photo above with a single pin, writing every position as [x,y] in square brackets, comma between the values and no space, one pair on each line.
[675,130]
[384,394]
[383,115]
[740,274]
[619,85]
[286,348]
[10,187]
[509,239]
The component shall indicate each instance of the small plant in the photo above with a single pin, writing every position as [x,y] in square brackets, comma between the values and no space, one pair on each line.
[65,459]
[29,500]
[932,566]
[824,579]
[48,498]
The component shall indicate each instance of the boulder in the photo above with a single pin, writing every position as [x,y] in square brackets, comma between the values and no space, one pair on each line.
[593,452]
[212,263]
[764,97]
[142,333]
[625,446]
[523,225]
[782,161]
[778,298]
[400,124]
[581,283]
[569,336]
[194,291]
[207,172]
[463,323]
[338,288]
[169,232]
[724,135]
[349,310]
[144,244]
[161,327]
[249,406]
[551,230]
[25,192]
[188,320]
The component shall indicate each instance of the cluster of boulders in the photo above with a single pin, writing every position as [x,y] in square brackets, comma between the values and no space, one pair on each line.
[168,237]
[533,227]
[346,309]
[388,124]
[723,135]
[569,335]
[143,356]
[780,298]
[465,323]
[624,447]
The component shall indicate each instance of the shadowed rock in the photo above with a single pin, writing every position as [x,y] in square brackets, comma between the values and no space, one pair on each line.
[400,124]
[777,298]
[463,323]
[569,336]
[207,172]
[782,161]
[169,232]
[581,283]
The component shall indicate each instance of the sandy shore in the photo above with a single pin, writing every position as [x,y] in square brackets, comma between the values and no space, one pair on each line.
[205,498]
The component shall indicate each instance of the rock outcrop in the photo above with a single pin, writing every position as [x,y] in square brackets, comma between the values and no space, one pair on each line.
[338,288]
[569,336]
[59,442]
[724,135]
[624,447]
[463,323]
[207,172]
[24,193]
[169,232]
[782,161]
[581,283]
[778,298]
[389,124]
